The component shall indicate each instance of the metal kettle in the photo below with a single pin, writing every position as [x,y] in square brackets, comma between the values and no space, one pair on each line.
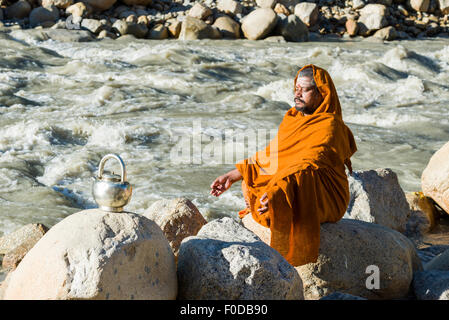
[111,191]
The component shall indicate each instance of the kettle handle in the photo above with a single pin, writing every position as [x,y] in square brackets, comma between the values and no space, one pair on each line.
[116,157]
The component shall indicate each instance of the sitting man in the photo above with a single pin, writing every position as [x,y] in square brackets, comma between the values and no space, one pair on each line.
[299,181]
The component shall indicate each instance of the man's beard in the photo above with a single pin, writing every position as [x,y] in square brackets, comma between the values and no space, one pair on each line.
[302,108]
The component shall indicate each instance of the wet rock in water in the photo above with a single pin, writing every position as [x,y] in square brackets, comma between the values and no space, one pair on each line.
[27,235]
[228,27]
[62,35]
[387,33]
[435,178]
[95,254]
[60,4]
[292,29]
[431,285]
[422,214]
[158,32]
[92,25]
[100,5]
[444,6]
[230,7]
[377,197]
[227,261]
[373,17]
[259,23]
[174,27]
[362,259]
[200,11]
[307,12]
[351,27]
[79,9]
[193,29]
[420,5]
[440,262]
[178,218]
[18,10]
[42,15]
[266,3]
[341,296]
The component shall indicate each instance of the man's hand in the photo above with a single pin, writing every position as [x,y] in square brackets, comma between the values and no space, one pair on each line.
[224,182]
[264,204]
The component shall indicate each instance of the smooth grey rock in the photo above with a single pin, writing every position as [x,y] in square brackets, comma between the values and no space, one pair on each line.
[230,7]
[18,10]
[95,254]
[92,25]
[373,17]
[200,11]
[259,23]
[348,250]
[266,3]
[292,29]
[431,285]
[227,261]
[41,15]
[228,27]
[377,197]
[341,296]
[307,12]
[388,33]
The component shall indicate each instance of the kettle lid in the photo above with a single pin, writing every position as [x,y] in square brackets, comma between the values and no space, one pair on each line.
[111,177]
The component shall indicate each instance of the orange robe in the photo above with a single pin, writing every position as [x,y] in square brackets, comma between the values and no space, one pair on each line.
[302,170]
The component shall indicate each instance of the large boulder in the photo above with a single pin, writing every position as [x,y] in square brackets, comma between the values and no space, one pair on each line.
[420,5]
[17,244]
[292,29]
[307,12]
[230,7]
[227,261]
[259,23]
[352,254]
[193,29]
[200,11]
[348,249]
[377,197]
[18,10]
[228,27]
[178,218]
[435,178]
[431,285]
[373,17]
[42,15]
[95,254]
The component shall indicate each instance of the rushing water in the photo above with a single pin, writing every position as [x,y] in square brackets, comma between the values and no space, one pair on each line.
[65,105]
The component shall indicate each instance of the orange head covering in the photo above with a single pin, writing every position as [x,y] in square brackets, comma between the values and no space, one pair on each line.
[314,147]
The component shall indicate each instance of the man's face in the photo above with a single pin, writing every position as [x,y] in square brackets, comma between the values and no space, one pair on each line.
[307,96]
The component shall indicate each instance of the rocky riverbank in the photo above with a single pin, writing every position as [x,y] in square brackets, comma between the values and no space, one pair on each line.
[171,252]
[276,20]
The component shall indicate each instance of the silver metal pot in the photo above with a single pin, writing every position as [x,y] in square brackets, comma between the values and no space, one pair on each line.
[111,192]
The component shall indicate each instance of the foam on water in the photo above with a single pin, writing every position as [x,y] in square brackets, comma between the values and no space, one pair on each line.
[65,105]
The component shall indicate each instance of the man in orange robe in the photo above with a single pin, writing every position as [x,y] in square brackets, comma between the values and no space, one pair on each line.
[299,181]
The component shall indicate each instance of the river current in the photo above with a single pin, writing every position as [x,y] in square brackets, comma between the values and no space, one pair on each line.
[182,113]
